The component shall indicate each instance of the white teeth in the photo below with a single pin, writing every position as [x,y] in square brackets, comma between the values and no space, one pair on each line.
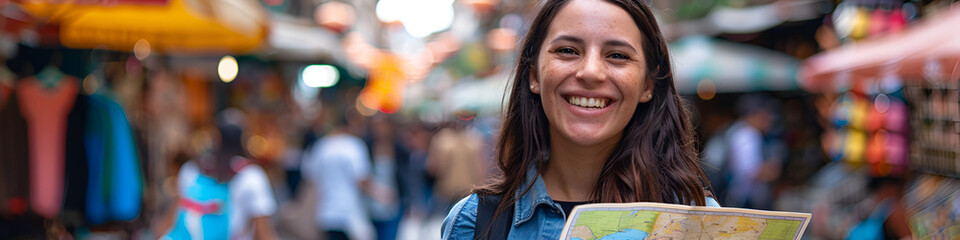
[588,102]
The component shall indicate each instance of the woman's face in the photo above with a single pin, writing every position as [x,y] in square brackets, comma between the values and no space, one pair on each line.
[590,73]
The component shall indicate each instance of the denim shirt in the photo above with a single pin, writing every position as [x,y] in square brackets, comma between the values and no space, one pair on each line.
[535,215]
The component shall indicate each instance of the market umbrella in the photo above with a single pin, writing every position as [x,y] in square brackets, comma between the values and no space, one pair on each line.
[483,96]
[730,67]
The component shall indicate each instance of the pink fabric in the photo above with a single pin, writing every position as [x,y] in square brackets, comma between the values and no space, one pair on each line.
[46,110]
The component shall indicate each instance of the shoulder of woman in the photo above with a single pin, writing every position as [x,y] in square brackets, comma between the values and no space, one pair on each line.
[461,220]
[711,202]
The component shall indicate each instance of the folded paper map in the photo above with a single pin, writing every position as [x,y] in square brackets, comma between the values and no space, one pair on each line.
[606,221]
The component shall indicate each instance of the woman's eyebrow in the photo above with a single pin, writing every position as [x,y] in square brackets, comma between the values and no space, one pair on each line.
[568,38]
[619,43]
[577,40]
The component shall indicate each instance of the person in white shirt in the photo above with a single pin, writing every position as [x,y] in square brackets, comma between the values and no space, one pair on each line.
[339,166]
[751,172]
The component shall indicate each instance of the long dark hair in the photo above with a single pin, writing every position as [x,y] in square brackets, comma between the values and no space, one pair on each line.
[655,160]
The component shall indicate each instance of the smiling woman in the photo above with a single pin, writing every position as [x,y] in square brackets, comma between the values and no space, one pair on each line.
[594,116]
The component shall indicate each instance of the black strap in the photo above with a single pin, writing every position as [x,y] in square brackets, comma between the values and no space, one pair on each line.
[487,227]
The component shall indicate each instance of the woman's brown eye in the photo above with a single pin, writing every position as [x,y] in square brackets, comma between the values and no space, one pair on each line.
[620,56]
[566,51]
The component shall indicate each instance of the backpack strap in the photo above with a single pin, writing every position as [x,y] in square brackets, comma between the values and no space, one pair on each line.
[487,226]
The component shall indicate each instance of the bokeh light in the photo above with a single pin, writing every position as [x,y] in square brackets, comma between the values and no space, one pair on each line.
[706,89]
[257,146]
[335,16]
[420,17]
[141,49]
[228,69]
[90,84]
[320,76]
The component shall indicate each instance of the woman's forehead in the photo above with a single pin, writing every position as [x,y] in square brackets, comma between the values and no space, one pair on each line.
[593,20]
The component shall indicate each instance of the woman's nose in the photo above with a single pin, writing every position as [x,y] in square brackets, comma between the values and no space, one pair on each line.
[592,68]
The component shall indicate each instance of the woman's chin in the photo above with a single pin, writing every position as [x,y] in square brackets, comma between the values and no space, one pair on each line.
[588,137]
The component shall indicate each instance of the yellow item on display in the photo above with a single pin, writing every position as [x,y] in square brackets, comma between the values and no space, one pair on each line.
[855,145]
[859,113]
[861,24]
[177,26]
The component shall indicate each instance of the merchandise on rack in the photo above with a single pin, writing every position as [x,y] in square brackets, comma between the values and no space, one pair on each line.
[871,129]
[936,124]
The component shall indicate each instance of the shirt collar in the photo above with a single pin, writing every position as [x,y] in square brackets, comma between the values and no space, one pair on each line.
[527,203]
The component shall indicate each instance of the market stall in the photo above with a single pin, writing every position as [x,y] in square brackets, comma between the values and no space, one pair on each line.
[892,103]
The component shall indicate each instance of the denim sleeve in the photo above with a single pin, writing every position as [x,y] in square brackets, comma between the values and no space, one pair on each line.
[461,220]
[712,202]
[709,201]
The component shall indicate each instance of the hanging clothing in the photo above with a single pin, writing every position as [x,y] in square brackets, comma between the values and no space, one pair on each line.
[122,168]
[115,182]
[95,138]
[46,109]
[14,157]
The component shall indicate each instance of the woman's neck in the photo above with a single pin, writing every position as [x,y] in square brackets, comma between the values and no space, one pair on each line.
[573,170]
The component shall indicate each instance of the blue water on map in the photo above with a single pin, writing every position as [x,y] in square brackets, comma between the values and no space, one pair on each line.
[626,234]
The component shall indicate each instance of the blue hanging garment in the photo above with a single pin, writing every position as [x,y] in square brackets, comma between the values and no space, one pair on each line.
[115,190]
[124,177]
[95,141]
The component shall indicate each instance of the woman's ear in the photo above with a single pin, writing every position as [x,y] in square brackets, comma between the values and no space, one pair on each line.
[646,93]
[534,81]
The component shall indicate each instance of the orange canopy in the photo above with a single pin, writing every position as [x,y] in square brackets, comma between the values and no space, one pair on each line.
[173,26]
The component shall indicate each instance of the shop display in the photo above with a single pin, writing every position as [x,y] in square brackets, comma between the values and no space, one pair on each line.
[936,123]
[67,158]
[871,130]
[899,106]
[860,20]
